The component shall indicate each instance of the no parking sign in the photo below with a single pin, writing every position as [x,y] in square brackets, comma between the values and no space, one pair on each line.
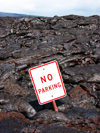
[47,82]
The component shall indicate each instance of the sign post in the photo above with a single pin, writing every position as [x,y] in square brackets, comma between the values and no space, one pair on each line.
[48,83]
[55,106]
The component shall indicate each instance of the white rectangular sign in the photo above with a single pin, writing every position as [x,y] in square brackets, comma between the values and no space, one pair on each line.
[47,82]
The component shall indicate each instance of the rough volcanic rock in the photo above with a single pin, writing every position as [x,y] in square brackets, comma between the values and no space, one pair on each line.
[57,127]
[74,41]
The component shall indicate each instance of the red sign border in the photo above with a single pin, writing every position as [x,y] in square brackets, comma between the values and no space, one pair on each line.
[35,85]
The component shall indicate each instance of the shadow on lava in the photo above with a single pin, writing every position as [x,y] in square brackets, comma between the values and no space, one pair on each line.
[39,107]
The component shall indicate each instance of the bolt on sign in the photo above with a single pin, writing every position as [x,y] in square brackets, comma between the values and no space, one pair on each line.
[47,82]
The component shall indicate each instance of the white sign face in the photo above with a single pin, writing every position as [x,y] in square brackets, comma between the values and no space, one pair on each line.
[47,82]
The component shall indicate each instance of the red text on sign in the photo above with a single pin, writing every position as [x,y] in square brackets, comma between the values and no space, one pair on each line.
[49,77]
[49,88]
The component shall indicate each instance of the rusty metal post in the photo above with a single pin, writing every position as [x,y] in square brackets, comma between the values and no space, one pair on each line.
[55,106]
